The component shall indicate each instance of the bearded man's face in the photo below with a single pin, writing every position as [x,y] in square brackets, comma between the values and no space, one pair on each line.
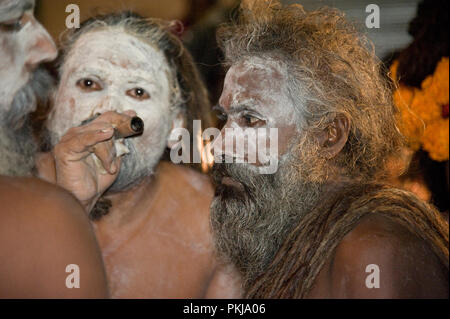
[24,44]
[252,213]
[111,70]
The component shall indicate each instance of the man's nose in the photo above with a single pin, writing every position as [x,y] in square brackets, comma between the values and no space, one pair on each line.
[42,47]
[109,103]
[221,148]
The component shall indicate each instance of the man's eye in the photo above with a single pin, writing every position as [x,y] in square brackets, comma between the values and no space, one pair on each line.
[222,116]
[251,121]
[89,85]
[13,25]
[218,111]
[138,94]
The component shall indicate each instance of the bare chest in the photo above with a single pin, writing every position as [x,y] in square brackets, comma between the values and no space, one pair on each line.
[158,255]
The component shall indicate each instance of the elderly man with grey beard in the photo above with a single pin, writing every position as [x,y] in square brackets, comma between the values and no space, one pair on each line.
[43,230]
[324,225]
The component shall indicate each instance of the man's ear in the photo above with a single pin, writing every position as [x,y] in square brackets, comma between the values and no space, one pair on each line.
[335,136]
[178,122]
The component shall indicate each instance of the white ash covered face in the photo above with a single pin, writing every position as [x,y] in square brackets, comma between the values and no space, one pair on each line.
[256,95]
[110,70]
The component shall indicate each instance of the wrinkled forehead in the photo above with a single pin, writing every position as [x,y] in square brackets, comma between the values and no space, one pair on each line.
[257,73]
[12,9]
[255,79]
[115,48]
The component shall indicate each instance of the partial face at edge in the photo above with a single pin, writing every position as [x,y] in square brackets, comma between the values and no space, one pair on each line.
[24,44]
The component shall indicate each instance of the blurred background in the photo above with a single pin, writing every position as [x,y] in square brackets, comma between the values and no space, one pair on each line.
[395,14]
[201,18]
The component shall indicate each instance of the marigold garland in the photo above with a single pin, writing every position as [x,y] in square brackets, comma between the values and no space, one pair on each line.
[424,113]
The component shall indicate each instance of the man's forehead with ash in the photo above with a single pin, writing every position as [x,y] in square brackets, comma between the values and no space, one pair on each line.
[261,84]
[13,9]
[250,77]
[117,50]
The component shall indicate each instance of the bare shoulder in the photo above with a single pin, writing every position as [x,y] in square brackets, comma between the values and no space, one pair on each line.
[185,198]
[188,178]
[382,259]
[43,230]
[188,190]
[225,283]
[32,189]
[31,199]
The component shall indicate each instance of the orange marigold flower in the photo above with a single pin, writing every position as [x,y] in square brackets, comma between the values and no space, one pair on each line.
[424,106]
[403,96]
[437,85]
[435,140]
[393,69]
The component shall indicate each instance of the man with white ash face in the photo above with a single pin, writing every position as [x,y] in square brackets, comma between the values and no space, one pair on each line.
[43,229]
[324,222]
[151,217]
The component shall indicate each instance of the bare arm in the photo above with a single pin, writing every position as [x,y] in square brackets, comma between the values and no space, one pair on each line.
[43,229]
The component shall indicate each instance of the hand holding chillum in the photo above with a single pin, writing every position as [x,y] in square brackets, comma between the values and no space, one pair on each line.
[88,157]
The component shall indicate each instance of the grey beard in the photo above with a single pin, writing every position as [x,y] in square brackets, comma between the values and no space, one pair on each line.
[250,224]
[17,151]
[134,168]
[25,101]
[17,144]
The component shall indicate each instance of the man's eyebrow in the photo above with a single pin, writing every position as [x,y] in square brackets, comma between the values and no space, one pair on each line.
[240,108]
[15,10]
[140,79]
[87,72]
[233,109]
[219,108]
[243,107]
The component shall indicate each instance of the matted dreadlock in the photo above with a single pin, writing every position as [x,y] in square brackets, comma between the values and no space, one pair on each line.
[314,240]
